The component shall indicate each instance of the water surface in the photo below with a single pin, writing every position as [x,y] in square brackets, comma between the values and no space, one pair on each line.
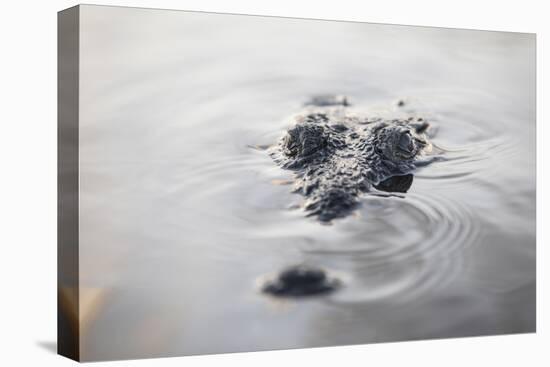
[180,218]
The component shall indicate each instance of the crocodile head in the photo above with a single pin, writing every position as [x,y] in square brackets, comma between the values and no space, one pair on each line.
[336,158]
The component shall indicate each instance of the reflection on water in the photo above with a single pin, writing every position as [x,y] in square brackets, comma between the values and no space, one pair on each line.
[180,216]
[396,183]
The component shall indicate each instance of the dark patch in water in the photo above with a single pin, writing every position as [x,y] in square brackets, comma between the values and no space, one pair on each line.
[396,184]
[301,281]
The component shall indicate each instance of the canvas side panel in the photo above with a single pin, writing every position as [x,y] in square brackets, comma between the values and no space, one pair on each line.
[68,182]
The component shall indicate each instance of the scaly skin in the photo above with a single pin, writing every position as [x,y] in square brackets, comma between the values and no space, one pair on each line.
[338,156]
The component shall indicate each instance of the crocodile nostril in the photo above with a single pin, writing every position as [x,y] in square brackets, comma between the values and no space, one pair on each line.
[422,126]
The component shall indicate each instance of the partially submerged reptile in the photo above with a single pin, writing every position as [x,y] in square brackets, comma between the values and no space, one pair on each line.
[338,155]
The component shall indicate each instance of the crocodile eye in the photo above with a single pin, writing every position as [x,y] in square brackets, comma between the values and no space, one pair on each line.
[304,140]
[290,145]
[406,142]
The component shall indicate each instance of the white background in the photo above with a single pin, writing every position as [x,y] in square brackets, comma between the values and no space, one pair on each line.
[28,183]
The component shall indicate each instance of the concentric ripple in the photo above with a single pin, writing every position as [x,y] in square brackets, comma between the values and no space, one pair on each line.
[457,163]
[401,247]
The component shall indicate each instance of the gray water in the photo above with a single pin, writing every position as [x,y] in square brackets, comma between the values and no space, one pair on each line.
[181,218]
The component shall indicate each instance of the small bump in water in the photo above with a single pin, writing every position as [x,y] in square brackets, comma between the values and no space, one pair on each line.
[301,281]
[328,100]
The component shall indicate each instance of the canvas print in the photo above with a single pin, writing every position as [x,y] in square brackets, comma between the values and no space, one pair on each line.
[234,183]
